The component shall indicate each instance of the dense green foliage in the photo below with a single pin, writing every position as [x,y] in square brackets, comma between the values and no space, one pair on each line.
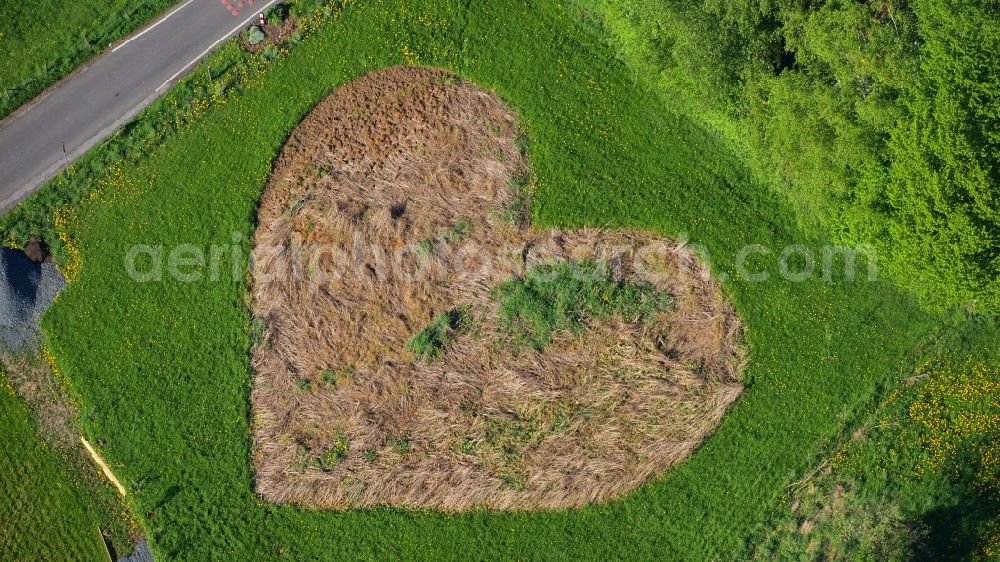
[44,40]
[878,120]
[605,151]
[564,296]
[42,513]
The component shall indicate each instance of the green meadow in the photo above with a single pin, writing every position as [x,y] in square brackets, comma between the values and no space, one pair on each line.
[44,40]
[161,367]
[44,513]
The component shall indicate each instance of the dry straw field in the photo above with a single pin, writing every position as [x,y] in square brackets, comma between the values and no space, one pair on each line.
[397,362]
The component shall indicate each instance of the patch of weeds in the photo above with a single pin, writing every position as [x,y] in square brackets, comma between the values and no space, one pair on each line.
[458,231]
[431,342]
[470,403]
[449,79]
[304,8]
[295,204]
[453,235]
[369,455]
[219,87]
[514,479]
[304,385]
[510,435]
[517,211]
[270,53]
[491,127]
[336,377]
[466,446]
[830,522]
[565,296]
[506,215]
[275,15]
[401,444]
[304,456]
[336,453]
[561,419]
[426,246]
[522,143]
[257,328]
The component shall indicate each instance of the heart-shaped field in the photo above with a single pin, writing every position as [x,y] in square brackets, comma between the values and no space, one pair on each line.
[422,345]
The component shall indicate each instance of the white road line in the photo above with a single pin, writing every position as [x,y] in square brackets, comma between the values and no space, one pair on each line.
[158,22]
[213,45]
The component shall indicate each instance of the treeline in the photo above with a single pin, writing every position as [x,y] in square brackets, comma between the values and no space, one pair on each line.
[879,119]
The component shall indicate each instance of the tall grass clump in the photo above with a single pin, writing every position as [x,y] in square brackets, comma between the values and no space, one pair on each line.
[564,296]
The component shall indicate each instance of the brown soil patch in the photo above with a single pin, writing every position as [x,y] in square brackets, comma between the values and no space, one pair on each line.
[36,383]
[392,204]
[274,34]
[36,250]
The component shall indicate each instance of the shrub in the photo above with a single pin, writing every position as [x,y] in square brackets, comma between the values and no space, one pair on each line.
[254,35]
[877,120]
[274,15]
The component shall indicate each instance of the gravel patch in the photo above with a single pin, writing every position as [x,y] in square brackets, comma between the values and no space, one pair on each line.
[27,289]
[140,554]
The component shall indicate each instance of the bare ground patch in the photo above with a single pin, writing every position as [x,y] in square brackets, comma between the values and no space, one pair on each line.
[397,210]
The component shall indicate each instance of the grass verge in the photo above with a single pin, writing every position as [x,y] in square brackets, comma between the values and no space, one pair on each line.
[43,512]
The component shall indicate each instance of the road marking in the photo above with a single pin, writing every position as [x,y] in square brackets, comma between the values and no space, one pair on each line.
[212,46]
[158,22]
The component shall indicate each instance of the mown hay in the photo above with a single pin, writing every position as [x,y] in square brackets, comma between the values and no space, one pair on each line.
[400,199]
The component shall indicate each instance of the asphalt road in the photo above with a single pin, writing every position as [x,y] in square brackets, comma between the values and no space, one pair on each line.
[87,107]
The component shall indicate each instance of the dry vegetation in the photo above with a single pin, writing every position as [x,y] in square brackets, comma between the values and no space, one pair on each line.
[35,382]
[400,199]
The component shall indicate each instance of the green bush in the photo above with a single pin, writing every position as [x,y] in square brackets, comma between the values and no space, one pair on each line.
[276,14]
[254,35]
